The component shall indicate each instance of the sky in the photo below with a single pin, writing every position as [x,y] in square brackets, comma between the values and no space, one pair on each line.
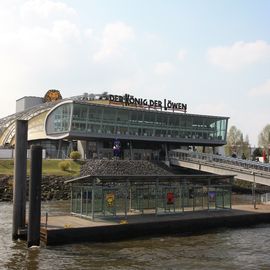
[213,56]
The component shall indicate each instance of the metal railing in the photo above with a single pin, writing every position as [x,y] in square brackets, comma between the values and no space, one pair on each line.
[218,160]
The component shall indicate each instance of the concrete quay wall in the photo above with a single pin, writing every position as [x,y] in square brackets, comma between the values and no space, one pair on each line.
[179,225]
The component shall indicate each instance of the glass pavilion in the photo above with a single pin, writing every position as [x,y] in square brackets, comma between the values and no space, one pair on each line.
[120,196]
[92,126]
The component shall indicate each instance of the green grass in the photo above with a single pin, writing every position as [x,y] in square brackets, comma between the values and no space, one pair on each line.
[49,167]
[6,167]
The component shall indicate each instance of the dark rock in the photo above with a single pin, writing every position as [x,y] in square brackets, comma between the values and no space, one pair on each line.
[122,167]
[52,188]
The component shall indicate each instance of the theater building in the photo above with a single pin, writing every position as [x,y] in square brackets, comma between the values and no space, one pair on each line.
[97,125]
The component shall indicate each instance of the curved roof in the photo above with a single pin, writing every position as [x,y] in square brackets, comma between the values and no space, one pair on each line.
[7,124]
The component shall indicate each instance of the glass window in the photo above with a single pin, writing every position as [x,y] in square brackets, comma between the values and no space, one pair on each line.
[109,115]
[174,120]
[140,116]
[95,113]
[108,129]
[149,118]
[122,116]
[134,117]
[59,119]
[161,119]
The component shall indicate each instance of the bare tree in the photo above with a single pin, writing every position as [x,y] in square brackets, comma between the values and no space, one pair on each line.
[264,137]
[236,143]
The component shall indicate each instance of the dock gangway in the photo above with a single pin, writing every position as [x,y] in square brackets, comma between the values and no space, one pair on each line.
[247,170]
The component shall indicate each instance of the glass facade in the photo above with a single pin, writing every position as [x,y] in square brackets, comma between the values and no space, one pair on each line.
[118,199]
[54,148]
[93,120]
[59,120]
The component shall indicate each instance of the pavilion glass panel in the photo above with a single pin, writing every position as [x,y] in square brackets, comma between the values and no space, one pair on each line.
[116,199]
[76,200]
[227,193]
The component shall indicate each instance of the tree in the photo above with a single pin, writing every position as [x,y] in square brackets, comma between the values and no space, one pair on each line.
[236,143]
[75,155]
[246,147]
[233,139]
[257,153]
[264,137]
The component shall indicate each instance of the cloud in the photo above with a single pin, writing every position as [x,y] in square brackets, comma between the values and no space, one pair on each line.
[239,55]
[65,31]
[37,10]
[181,55]
[260,90]
[88,33]
[43,45]
[38,43]
[113,38]
[163,68]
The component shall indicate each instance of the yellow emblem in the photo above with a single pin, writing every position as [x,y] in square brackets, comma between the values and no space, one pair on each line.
[52,95]
[110,197]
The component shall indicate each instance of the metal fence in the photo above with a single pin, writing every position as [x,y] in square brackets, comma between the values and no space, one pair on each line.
[231,162]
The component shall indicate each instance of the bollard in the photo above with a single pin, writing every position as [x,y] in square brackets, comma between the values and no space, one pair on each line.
[46,221]
[19,186]
[33,235]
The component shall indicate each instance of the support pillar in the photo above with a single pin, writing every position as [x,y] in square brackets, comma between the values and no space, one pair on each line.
[131,150]
[87,156]
[33,235]
[93,199]
[166,152]
[156,196]
[19,186]
[59,149]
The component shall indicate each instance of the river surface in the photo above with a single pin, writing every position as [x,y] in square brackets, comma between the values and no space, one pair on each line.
[246,248]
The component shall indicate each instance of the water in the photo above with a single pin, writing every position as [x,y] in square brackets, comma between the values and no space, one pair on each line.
[247,248]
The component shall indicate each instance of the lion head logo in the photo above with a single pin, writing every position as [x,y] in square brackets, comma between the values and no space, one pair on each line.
[52,95]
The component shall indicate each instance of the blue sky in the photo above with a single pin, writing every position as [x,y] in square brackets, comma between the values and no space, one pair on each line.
[212,55]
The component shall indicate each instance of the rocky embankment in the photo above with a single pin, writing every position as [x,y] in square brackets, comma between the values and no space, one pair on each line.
[53,188]
[122,167]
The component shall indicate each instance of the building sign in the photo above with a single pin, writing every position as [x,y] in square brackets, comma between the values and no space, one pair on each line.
[151,103]
[129,100]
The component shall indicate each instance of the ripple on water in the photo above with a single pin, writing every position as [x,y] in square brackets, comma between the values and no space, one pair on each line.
[223,249]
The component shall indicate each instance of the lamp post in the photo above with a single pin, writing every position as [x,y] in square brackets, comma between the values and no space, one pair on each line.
[254,191]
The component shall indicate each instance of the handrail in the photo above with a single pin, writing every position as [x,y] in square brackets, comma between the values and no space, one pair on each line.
[237,163]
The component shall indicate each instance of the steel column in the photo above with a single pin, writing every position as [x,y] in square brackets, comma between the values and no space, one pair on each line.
[19,187]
